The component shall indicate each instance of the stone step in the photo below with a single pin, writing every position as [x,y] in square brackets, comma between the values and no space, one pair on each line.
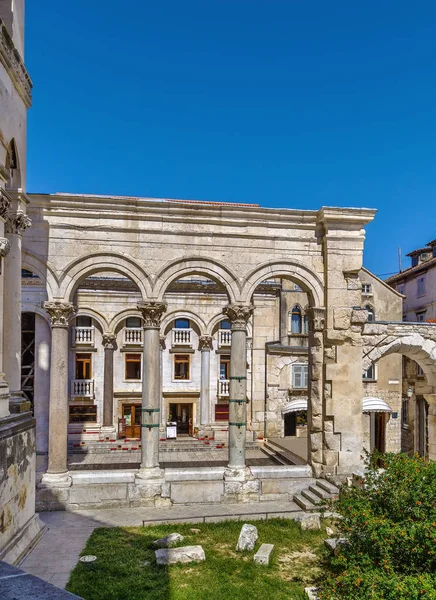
[303,502]
[274,455]
[318,491]
[327,486]
[309,495]
[290,457]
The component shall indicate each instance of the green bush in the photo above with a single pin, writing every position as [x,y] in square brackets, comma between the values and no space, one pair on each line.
[390,523]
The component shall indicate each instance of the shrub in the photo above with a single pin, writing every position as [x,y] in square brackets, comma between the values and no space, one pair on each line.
[390,523]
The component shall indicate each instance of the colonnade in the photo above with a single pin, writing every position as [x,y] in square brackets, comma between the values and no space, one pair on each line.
[152,312]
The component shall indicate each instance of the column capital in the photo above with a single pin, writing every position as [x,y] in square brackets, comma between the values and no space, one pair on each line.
[317,318]
[109,341]
[205,343]
[238,315]
[17,222]
[5,203]
[152,313]
[5,246]
[59,312]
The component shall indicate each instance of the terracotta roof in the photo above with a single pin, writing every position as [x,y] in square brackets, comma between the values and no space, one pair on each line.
[411,270]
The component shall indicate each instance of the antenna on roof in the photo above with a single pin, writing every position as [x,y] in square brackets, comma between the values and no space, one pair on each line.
[399,259]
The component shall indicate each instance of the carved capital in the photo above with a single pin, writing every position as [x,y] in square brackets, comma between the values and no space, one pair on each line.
[238,315]
[205,343]
[5,246]
[17,223]
[317,318]
[109,341]
[60,312]
[5,203]
[152,313]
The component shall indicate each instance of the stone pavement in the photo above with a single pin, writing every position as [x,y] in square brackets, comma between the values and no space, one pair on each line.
[58,551]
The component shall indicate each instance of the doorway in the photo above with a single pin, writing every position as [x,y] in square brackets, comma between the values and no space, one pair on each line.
[422,409]
[132,415]
[290,424]
[378,431]
[182,414]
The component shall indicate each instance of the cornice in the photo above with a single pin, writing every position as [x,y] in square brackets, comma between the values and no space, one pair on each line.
[14,65]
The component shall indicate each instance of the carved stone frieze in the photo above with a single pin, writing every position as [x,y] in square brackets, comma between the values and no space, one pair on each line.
[18,72]
[17,223]
[60,312]
[238,315]
[205,343]
[152,313]
[5,246]
[317,318]
[109,341]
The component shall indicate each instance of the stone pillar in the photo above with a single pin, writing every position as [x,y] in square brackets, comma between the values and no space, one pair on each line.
[110,345]
[152,314]
[205,343]
[162,403]
[238,315]
[4,388]
[17,221]
[431,425]
[57,473]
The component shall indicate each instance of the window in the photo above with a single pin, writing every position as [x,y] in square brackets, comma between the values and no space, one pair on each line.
[225,324]
[400,288]
[371,314]
[133,322]
[26,274]
[224,367]
[366,288]
[83,366]
[133,366]
[181,366]
[434,252]
[296,320]
[420,316]
[182,324]
[370,374]
[83,321]
[421,285]
[83,414]
[405,412]
[414,260]
[305,324]
[299,376]
[419,371]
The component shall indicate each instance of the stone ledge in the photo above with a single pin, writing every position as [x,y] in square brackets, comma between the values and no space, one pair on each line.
[16,584]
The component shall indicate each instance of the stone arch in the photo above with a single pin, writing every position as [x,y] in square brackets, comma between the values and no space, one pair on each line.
[44,270]
[85,266]
[214,321]
[309,281]
[196,266]
[33,308]
[116,321]
[94,314]
[415,347]
[183,314]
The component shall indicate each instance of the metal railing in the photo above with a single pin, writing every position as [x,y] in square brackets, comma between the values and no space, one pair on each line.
[83,336]
[182,337]
[132,336]
[83,388]
[224,337]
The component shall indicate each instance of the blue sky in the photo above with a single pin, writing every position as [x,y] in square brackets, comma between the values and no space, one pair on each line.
[285,103]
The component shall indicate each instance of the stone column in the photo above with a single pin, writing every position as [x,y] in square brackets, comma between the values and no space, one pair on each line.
[238,315]
[161,400]
[16,223]
[110,345]
[57,473]
[152,315]
[431,425]
[205,344]
[4,388]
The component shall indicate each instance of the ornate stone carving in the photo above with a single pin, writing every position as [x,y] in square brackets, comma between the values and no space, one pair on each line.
[15,65]
[60,312]
[5,246]
[152,313]
[205,343]
[317,318]
[17,223]
[5,203]
[238,315]
[162,342]
[109,341]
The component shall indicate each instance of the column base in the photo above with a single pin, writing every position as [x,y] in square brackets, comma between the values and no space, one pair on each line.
[240,485]
[56,480]
[147,473]
[18,403]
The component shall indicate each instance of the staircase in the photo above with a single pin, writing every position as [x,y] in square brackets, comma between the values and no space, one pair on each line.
[316,495]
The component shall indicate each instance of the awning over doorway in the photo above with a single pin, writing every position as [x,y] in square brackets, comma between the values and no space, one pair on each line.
[295,406]
[372,404]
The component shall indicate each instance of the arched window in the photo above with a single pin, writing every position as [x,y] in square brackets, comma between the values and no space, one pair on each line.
[182,324]
[225,324]
[296,320]
[371,313]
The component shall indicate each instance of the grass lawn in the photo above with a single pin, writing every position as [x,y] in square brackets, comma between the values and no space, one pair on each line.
[125,568]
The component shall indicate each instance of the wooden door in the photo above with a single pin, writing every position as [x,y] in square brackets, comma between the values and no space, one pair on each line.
[132,415]
[379,431]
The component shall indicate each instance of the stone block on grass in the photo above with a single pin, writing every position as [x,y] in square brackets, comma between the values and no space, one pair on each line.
[173,539]
[247,538]
[308,521]
[263,554]
[186,554]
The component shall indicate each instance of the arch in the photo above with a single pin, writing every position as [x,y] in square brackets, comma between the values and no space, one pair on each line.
[216,320]
[85,266]
[196,265]
[94,314]
[304,277]
[43,269]
[33,308]
[183,314]
[415,347]
[116,321]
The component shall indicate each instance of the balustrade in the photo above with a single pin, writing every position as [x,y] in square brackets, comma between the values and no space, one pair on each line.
[182,337]
[224,337]
[83,335]
[83,388]
[133,335]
